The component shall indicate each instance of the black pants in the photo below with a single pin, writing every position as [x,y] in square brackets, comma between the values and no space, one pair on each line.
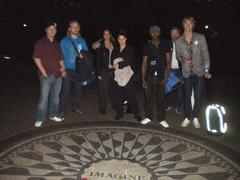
[67,83]
[196,83]
[105,89]
[155,90]
[121,93]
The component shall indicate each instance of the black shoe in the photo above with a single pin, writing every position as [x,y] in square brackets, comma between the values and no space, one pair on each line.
[102,111]
[117,118]
[77,110]
[62,116]
[138,117]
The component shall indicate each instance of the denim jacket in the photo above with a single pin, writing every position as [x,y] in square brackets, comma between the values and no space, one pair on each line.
[197,51]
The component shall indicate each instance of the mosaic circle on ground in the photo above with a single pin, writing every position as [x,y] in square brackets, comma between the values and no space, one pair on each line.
[105,153]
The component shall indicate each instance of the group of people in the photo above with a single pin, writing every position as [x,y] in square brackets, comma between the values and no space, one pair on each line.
[185,55]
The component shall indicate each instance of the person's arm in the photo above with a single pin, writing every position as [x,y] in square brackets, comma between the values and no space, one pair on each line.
[144,70]
[98,64]
[205,53]
[128,59]
[37,59]
[179,53]
[40,67]
[84,45]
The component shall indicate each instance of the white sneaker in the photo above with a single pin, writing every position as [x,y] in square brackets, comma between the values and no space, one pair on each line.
[56,119]
[186,122]
[169,108]
[146,121]
[38,124]
[196,123]
[164,124]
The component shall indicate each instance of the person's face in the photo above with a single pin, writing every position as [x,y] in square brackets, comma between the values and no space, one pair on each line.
[188,26]
[175,34]
[122,40]
[74,28]
[155,35]
[51,31]
[107,35]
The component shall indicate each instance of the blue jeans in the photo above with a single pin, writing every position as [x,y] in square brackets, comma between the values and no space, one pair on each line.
[50,88]
[196,83]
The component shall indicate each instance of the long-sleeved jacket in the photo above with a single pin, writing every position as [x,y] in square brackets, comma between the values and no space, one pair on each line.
[103,59]
[127,54]
[199,55]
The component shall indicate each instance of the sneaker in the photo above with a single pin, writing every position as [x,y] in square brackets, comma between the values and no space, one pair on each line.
[196,123]
[168,108]
[117,118]
[146,121]
[56,119]
[164,124]
[38,124]
[177,110]
[186,122]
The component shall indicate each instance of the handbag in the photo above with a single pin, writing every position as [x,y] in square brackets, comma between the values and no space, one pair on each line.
[83,67]
[174,82]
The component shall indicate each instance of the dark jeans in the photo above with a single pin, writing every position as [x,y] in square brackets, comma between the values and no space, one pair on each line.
[127,93]
[155,90]
[50,88]
[174,99]
[196,83]
[66,91]
[105,89]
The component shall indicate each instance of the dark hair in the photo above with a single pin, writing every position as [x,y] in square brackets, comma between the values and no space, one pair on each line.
[106,29]
[175,28]
[123,32]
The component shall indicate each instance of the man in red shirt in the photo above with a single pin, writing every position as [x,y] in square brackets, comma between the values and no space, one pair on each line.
[49,61]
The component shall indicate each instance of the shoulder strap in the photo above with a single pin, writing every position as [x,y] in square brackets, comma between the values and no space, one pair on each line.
[75,47]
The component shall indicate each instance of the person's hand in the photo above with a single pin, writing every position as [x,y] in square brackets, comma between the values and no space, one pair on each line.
[116,66]
[44,74]
[165,81]
[99,77]
[208,75]
[64,74]
[187,61]
[144,84]
[81,56]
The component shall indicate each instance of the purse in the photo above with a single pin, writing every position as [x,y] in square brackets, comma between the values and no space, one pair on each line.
[83,69]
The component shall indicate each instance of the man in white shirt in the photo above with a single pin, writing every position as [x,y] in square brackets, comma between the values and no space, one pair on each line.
[174,99]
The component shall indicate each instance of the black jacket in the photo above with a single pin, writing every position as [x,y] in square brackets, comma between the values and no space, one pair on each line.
[102,59]
[127,54]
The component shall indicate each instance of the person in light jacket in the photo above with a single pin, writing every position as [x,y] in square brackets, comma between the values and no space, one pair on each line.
[192,52]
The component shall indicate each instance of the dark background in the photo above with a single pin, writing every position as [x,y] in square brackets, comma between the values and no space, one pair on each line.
[135,16]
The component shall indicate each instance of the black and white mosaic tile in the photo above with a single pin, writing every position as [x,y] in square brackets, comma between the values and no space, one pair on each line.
[104,153]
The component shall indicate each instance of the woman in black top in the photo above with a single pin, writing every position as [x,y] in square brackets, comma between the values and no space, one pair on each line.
[126,53]
[105,70]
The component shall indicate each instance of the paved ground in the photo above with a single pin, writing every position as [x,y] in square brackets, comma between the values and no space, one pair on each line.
[18,99]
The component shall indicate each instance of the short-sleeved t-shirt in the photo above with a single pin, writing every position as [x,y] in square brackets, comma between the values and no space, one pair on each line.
[50,55]
[156,56]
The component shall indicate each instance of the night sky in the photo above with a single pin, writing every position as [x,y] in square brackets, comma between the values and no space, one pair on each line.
[134,16]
